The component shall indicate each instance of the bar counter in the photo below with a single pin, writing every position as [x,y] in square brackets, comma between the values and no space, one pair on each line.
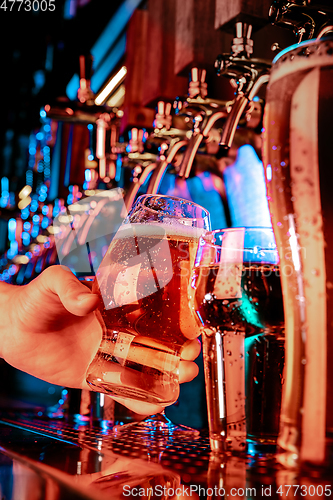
[51,459]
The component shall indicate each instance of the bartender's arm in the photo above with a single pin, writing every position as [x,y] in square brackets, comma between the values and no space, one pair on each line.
[49,330]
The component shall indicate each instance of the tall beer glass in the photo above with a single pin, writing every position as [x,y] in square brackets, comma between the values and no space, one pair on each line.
[298,141]
[236,293]
[144,312]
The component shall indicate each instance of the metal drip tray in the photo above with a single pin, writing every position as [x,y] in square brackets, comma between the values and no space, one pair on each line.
[60,460]
[93,462]
[167,450]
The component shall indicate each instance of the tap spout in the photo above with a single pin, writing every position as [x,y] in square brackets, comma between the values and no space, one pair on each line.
[160,170]
[135,186]
[240,103]
[195,141]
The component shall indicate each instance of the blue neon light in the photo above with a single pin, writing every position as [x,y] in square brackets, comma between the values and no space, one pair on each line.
[292,47]
[106,59]
[113,30]
[87,175]
[4,184]
[102,73]
[11,227]
[25,213]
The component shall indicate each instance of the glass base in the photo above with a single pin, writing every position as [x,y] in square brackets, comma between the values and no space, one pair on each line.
[157,426]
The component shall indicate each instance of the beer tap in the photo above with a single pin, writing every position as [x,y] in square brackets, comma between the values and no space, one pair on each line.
[103,118]
[306,18]
[169,140]
[246,75]
[107,144]
[103,123]
[85,94]
[84,110]
[203,113]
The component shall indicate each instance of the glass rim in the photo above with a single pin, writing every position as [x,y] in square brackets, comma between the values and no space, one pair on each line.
[175,198]
[297,46]
[235,229]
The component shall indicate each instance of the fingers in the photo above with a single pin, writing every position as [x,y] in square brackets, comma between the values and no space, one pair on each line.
[191,350]
[75,296]
[188,370]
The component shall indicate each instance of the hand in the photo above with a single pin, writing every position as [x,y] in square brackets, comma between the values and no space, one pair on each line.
[50,331]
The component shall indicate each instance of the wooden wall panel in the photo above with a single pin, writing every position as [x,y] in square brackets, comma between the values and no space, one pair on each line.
[161,82]
[197,41]
[135,114]
[252,11]
[168,38]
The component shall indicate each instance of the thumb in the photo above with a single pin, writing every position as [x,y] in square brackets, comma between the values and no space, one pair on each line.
[75,297]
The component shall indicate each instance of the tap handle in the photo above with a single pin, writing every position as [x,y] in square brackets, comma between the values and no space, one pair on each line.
[242,44]
[85,94]
[85,62]
[197,84]
[137,138]
[163,118]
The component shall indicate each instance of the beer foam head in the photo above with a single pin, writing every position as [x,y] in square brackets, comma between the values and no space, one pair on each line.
[300,57]
[141,253]
[175,228]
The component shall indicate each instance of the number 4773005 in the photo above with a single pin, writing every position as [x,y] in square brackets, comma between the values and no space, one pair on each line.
[27,5]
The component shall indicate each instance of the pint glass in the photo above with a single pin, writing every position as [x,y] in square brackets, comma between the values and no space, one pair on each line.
[298,138]
[144,311]
[236,293]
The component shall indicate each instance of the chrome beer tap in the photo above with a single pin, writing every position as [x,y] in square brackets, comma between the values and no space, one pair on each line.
[306,18]
[199,111]
[246,75]
[141,162]
[85,111]
[167,139]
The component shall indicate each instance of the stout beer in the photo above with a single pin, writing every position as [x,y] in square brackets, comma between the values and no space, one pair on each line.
[250,326]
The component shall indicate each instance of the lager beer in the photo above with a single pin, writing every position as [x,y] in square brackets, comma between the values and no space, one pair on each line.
[298,163]
[144,310]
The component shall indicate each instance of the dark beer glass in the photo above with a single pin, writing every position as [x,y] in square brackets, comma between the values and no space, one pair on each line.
[298,164]
[144,311]
[236,293]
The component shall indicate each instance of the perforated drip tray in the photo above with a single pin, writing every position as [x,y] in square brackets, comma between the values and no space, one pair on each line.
[182,453]
[92,462]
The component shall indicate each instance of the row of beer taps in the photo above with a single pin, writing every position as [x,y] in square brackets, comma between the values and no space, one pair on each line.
[199,113]
[246,75]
